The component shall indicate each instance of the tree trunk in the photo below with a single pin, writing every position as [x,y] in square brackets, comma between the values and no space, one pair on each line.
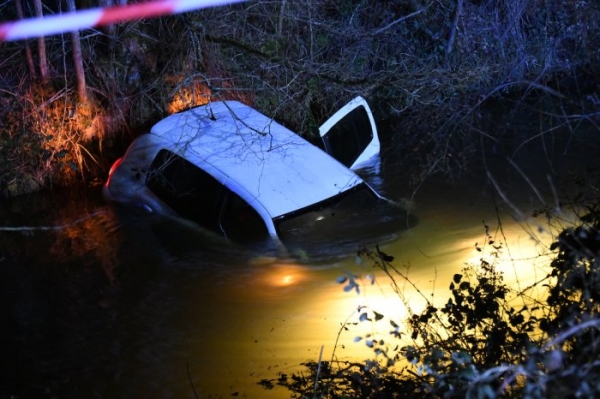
[28,54]
[43,59]
[78,59]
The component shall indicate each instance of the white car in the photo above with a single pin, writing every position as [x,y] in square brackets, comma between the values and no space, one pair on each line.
[239,173]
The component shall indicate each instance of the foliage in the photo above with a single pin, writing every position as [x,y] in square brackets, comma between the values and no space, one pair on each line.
[477,344]
[52,145]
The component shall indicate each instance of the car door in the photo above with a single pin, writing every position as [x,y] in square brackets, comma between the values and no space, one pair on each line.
[350,135]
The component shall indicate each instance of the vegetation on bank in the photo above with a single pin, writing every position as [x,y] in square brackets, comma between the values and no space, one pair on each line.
[489,340]
[427,65]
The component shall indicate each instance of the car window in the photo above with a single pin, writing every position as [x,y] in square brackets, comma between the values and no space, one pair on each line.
[348,138]
[356,217]
[198,196]
[188,190]
[241,222]
[327,219]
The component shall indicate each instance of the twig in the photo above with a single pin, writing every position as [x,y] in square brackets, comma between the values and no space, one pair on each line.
[337,339]
[504,196]
[450,45]
[535,190]
[50,228]
[191,382]
[572,331]
[281,16]
[318,372]
[378,31]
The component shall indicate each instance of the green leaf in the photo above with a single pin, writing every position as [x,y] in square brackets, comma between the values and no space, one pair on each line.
[341,279]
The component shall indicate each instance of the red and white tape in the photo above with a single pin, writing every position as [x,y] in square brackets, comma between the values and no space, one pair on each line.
[84,19]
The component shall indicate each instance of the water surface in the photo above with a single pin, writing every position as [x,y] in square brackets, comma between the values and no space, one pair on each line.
[100,301]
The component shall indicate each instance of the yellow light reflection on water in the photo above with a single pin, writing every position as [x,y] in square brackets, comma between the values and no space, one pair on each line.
[522,260]
[520,255]
[281,273]
[286,276]
[279,313]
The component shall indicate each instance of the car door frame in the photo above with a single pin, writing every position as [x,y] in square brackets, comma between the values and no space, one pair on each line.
[369,152]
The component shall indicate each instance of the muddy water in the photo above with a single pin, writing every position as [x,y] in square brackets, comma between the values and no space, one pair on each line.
[99,301]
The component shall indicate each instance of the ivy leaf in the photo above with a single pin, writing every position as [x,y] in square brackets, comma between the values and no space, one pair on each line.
[371,278]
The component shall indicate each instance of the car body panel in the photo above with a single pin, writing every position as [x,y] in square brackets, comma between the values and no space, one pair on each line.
[241,143]
[271,168]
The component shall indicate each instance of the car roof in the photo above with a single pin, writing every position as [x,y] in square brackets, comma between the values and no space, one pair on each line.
[254,156]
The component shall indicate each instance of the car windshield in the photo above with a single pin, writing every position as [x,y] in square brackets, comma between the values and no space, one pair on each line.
[344,223]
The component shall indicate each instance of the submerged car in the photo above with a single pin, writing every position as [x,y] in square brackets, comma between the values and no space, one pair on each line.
[241,174]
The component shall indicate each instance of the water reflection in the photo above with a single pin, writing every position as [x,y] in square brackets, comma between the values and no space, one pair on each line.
[122,305]
[118,304]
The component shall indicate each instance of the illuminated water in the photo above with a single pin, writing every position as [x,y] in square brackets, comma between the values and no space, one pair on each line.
[121,305]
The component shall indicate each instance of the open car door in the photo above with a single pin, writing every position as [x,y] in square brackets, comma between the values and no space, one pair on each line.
[350,135]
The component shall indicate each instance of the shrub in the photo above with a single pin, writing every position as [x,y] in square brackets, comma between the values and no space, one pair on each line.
[477,345]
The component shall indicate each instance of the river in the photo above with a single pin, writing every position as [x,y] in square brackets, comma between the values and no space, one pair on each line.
[99,301]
